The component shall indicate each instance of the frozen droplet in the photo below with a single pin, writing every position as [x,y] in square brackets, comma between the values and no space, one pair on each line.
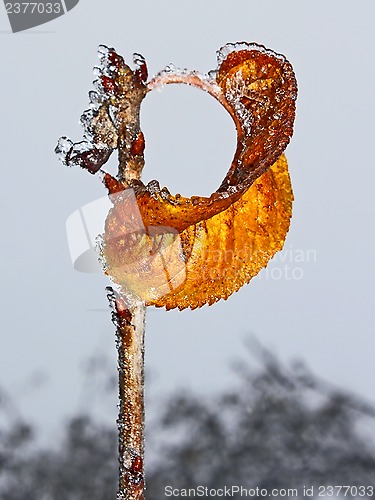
[98,71]
[103,51]
[141,67]
[153,187]
[165,193]
[98,85]
[110,61]
[113,113]
[170,68]
[86,122]
[64,146]
[138,59]
[209,77]
[96,99]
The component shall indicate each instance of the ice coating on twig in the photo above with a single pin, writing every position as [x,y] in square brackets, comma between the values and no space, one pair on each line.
[173,70]
[116,87]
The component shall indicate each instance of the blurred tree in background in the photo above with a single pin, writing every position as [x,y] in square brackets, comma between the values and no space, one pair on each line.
[280,428]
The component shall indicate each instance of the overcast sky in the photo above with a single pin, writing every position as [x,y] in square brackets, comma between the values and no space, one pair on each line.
[53,318]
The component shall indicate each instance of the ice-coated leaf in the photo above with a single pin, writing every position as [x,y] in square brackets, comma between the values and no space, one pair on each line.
[208,260]
[173,251]
[194,251]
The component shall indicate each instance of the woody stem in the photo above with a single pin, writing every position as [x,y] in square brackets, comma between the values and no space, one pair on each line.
[128,315]
[129,319]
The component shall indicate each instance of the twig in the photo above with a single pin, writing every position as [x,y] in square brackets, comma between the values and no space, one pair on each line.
[129,320]
[128,312]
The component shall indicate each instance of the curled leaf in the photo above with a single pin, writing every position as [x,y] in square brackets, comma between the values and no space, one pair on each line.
[206,261]
[187,252]
[174,251]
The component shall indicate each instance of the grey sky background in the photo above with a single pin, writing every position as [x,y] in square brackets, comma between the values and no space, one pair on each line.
[53,318]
